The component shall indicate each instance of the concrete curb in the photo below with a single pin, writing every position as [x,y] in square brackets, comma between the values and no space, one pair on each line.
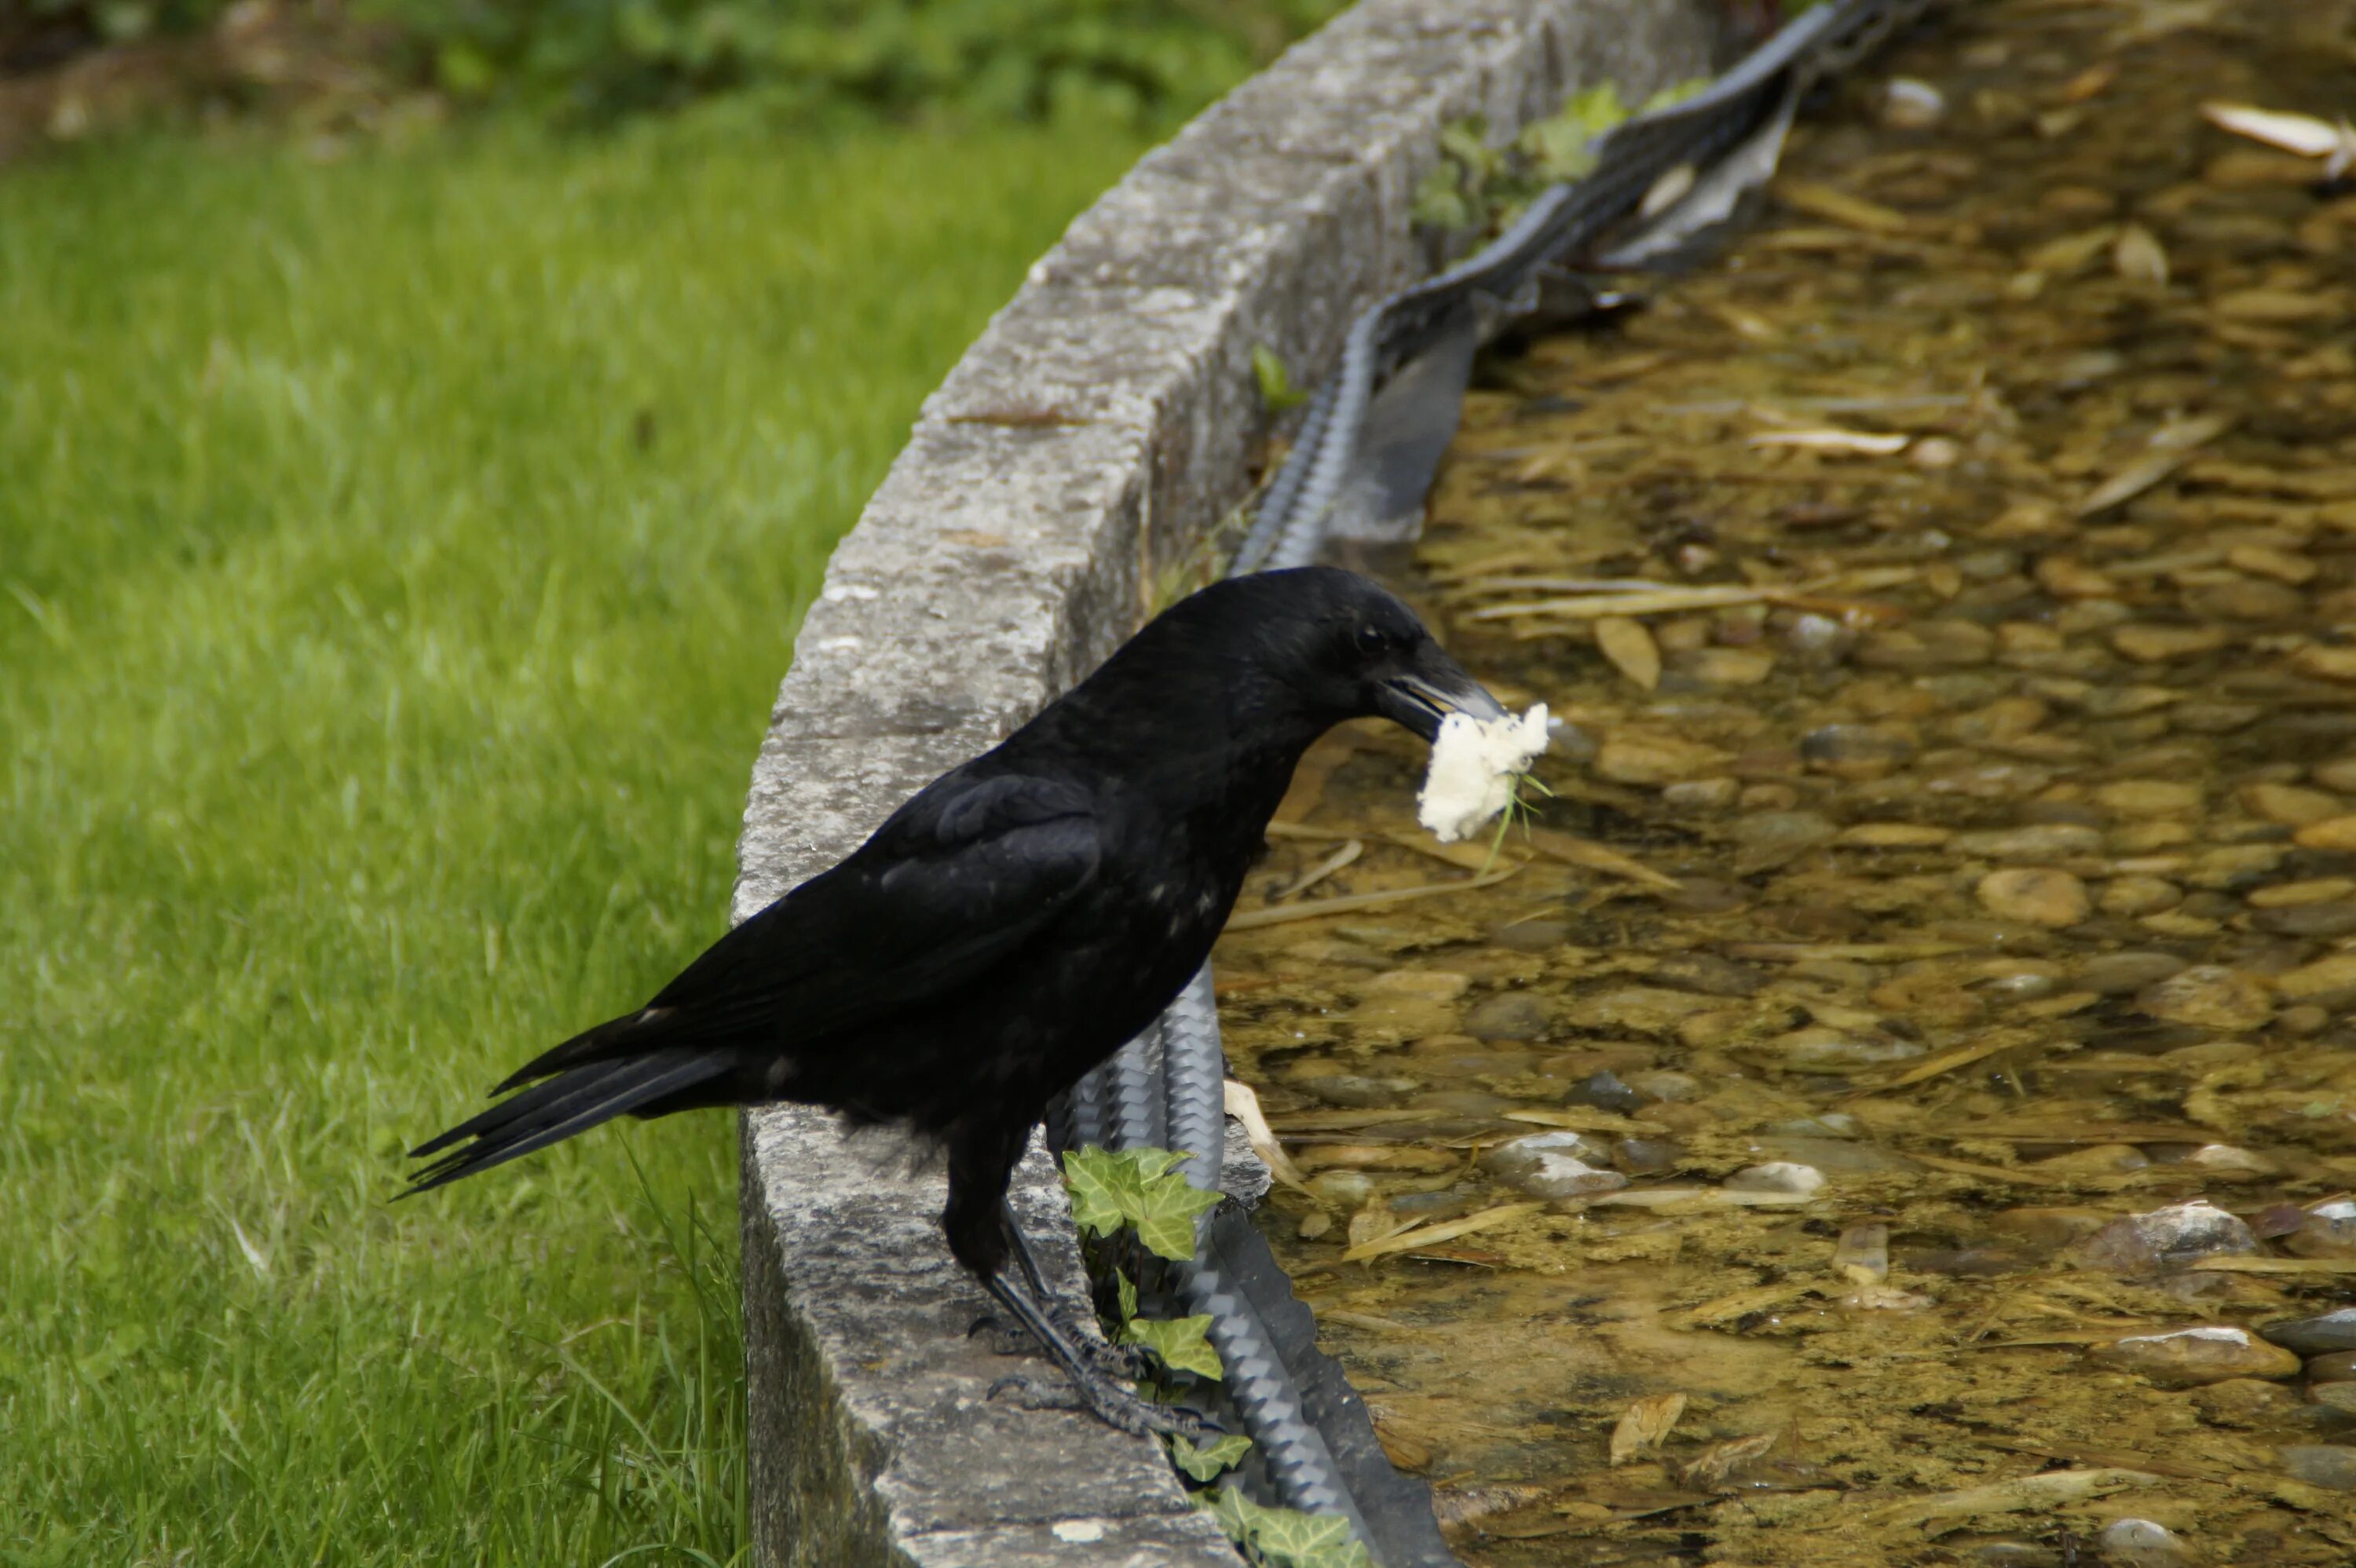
[1105,419]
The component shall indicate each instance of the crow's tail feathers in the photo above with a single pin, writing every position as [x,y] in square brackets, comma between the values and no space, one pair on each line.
[570,1102]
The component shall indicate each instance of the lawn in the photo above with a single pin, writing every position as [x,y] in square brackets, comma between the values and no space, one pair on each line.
[398,557]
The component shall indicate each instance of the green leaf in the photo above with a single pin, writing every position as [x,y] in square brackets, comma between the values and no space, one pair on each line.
[1127,1290]
[1210,1459]
[1285,1538]
[1179,1342]
[1276,387]
[1439,199]
[1137,1187]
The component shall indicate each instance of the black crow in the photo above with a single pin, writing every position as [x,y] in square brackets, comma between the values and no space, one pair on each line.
[1013,923]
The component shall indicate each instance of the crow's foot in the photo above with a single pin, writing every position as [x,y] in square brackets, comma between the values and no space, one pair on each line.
[1110,1402]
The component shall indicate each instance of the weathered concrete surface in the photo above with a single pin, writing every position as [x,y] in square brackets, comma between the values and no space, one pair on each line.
[1107,418]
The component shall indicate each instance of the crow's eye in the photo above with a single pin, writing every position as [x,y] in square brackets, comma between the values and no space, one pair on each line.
[1372,642]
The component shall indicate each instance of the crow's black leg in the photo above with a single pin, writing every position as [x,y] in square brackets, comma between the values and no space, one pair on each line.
[1130,1361]
[1025,1258]
[1104,1395]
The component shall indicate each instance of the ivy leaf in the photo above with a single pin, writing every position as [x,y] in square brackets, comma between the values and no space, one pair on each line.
[1285,1538]
[1138,1188]
[1181,1343]
[1128,1292]
[1276,387]
[1210,1459]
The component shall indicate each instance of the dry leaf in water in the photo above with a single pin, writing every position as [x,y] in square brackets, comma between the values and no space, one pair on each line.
[1645,1425]
[1867,444]
[1631,649]
[2302,133]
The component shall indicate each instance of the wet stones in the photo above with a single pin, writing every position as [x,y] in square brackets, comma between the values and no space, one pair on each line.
[1554,1165]
[1781,1177]
[2142,1543]
[2209,996]
[1640,1010]
[2207,1353]
[2035,895]
[2328,1230]
[2330,1333]
[1656,760]
[2038,842]
[2170,1237]
[1774,838]
[2116,974]
[2150,643]
[1857,751]
[1707,975]
[1510,1015]
[2327,1465]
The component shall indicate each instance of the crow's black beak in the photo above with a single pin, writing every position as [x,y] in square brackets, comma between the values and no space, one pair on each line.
[1436,687]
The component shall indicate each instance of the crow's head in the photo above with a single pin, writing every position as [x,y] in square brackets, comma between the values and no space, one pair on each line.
[1338,646]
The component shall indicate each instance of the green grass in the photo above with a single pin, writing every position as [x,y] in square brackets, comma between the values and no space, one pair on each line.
[397,562]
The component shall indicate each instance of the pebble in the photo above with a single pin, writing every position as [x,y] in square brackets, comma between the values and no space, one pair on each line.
[2150,797]
[2339,774]
[1909,104]
[2310,920]
[1894,836]
[1656,760]
[1728,667]
[1509,1015]
[2242,1401]
[2324,662]
[1777,1176]
[2172,1237]
[1773,838]
[2331,833]
[2266,561]
[2043,841]
[1643,1010]
[2289,804]
[2315,890]
[2329,1230]
[2334,1367]
[2209,996]
[1701,794]
[1855,751]
[1708,974]
[1554,1165]
[2132,896]
[1833,1154]
[2115,973]
[2207,1353]
[2148,643]
[1605,1092]
[2324,977]
[1819,1049]
[2325,1334]
[1348,1189]
[2035,895]
[1644,1157]
[1662,1085]
[2141,1543]
[2245,599]
[1361,1093]
[2327,1465]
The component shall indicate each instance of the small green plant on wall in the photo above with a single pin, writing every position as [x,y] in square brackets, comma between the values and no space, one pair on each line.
[1136,1205]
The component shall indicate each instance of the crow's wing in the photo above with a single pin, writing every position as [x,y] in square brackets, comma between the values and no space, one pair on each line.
[959,879]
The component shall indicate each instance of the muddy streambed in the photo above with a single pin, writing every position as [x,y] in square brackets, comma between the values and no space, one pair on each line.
[1900,1106]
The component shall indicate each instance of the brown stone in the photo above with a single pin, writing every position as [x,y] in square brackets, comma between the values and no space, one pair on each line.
[2209,996]
[2036,895]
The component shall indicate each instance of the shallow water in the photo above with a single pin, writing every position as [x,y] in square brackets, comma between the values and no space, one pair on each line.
[1984,844]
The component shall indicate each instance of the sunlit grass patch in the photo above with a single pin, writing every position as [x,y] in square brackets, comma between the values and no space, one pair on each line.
[397,559]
